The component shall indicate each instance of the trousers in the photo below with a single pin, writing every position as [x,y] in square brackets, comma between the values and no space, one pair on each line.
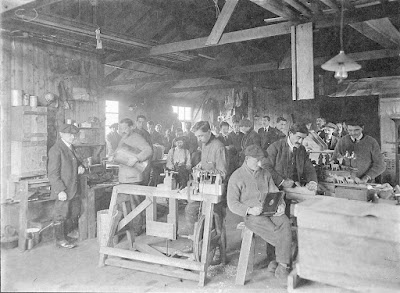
[192,212]
[274,230]
[67,209]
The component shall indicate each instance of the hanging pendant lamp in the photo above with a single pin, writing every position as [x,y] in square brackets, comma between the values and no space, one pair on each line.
[341,63]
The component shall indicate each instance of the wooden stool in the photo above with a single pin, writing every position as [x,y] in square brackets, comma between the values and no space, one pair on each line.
[247,253]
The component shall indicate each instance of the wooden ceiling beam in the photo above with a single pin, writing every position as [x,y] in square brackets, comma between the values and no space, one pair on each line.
[203,88]
[331,3]
[380,30]
[221,22]
[296,5]
[8,8]
[359,56]
[276,7]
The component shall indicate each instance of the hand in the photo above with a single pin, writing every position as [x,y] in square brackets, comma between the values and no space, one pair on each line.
[357,180]
[312,185]
[287,183]
[255,211]
[132,161]
[62,196]
[362,180]
[81,170]
[110,158]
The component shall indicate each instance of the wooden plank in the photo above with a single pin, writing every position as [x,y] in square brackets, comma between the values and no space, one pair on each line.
[160,229]
[227,38]
[153,268]
[172,217]
[8,7]
[23,213]
[145,248]
[347,281]
[151,210]
[371,227]
[91,216]
[275,7]
[371,31]
[246,249]
[304,62]
[203,88]
[331,4]
[140,208]
[116,72]
[208,211]
[294,63]
[340,206]
[221,22]
[83,219]
[298,7]
[386,28]
[167,261]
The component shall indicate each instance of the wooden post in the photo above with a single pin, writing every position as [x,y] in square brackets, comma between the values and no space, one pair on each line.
[208,210]
[173,215]
[23,213]
[83,219]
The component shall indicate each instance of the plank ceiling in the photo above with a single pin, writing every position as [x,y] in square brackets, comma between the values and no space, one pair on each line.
[162,47]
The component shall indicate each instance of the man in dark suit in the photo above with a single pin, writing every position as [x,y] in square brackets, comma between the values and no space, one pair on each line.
[63,170]
[288,161]
[267,133]
[250,137]
[329,138]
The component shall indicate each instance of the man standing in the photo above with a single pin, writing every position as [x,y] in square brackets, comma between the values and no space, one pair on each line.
[178,160]
[247,189]
[236,136]
[329,138]
[191,138]
[112,139]
[213,159]
[363,152]
[280,127]
[63,170]
[155,137]
[267,133]
[288,162]
[140,128]
[320,123]
[250,137]
[133,155]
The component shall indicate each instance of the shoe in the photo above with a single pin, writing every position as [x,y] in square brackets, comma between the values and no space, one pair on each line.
[65,244]
[74,234]
[282,273]
[272,268]
[217,257]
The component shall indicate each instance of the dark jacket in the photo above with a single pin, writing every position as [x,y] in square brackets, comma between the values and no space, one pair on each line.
[277,163]
[332,142]
[227,141]
[236,140]
[250,138]
[268,137]
[63,170]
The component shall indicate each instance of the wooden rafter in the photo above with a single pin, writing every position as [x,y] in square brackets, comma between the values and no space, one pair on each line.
[381,31]
[221,22]
[8,8]
[360,56]
[276,7]
[298,7]
[203,88]
[331,3]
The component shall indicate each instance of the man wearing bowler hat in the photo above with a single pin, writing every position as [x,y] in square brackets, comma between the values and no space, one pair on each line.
[247,190]
[63,170]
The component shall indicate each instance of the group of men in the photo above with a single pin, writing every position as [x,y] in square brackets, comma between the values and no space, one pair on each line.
[269,161]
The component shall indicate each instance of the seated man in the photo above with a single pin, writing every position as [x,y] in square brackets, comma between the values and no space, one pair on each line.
[179,160]
[247,189]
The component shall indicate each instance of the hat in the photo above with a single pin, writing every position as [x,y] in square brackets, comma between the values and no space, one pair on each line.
[331,125]
[254,151]
[245,123]
[68,128]
[179,138]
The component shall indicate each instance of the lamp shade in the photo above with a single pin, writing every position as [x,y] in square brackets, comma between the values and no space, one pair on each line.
[340,63]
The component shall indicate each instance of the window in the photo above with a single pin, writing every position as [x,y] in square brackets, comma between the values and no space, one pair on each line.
[184,113]
[112,116]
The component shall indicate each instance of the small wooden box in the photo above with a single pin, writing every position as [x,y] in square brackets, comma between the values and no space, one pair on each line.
[354,192]
[28,158]
[29,124]
[349,244]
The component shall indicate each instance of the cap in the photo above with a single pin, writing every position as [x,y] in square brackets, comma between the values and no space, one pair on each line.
[179,138]
[68,128]
[254,151]
[331,125]
[245,123]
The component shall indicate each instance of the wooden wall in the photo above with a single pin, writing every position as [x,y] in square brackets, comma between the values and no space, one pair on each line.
[38,68]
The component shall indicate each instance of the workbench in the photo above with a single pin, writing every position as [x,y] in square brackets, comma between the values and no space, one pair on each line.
[157,263]
[87,220]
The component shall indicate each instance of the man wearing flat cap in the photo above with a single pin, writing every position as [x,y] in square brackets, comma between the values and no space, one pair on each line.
[63,170]
[112,139]
[247,190]
[329,138]
[250,137]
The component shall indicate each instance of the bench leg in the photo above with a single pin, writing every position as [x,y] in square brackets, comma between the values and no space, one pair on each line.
[246,257]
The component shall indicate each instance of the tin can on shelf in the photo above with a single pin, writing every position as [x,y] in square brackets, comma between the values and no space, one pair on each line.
[16,98]
[25,100]
[33,101]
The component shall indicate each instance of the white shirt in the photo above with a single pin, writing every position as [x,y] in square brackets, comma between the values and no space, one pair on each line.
[291,146]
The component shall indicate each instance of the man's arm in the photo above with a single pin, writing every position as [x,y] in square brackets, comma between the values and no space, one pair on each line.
[378,165]
[233,197]
[221,163]
[169,163]
[269,164]
[54,171]
[188,160]
[309,171]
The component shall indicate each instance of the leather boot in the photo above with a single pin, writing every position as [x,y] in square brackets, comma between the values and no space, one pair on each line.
[60,237]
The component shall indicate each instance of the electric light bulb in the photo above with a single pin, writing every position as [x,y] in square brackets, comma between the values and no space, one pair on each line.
[341,73]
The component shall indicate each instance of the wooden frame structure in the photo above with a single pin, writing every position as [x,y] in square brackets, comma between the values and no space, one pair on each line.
[157,263]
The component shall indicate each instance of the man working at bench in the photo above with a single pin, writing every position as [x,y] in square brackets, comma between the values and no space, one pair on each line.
[247,189]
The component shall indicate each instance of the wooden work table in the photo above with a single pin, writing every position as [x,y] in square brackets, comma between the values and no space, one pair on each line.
[87,220]
[156,263]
